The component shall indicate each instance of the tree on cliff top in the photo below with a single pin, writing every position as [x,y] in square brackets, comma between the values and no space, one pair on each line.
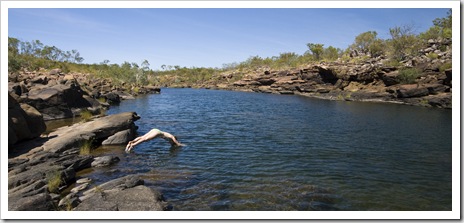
[316,49]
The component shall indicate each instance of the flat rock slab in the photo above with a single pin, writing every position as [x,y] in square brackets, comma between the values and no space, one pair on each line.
[123,194]
[139,198]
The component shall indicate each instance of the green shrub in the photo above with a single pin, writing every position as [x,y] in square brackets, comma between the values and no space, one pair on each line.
[392,63]
[432,56]
[408,75]
[445,66]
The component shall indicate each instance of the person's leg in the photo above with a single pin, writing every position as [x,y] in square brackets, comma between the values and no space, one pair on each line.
[130,143]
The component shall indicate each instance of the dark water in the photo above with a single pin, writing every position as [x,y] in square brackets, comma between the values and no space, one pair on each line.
[250,151]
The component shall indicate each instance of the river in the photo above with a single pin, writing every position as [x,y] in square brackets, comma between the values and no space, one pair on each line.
[253,151]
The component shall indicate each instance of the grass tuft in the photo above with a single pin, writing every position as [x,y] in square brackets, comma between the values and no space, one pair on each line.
[54,181]
[86,115]
[86,148]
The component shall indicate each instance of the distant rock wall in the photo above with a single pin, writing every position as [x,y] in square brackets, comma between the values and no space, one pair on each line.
[367,80]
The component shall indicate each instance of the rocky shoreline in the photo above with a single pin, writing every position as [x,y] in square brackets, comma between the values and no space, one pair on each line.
[40,170]
[42,167]
[429,83]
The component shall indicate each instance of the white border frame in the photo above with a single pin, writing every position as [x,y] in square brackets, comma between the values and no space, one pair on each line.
[456,158]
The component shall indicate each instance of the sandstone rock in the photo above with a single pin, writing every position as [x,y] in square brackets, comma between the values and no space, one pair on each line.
[104,161]
[264,89]
[436,88]
[57,157]
[69,202]
[55,71]
[83,180]
[121,137]
[42,79]
[124,95]
[34,120]
[286,92]
[39,202]
[443,100]
[16,121]
[99,129]
[79,188]
[390,78]
[57,101]
[153,89]
[112,98]
[266,81]
[122,194]
[24,121]
[412,90]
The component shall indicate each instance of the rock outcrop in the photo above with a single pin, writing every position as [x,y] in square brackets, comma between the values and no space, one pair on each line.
[40,169]
[360,79]
[57,95]
[368,80]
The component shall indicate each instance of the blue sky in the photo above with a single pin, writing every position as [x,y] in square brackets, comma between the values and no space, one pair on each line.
[204,37]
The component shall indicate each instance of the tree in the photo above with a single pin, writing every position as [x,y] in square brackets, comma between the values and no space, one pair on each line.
[442,27]
[444,23]
[331,53]
[13,46]
[78,58]
[287,59]
[377,47]
[316,49]
[364,40]
[403,42]
[368,43]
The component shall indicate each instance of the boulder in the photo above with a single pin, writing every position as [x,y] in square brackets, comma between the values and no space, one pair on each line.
[121,137]
[124,95]
[34,120]
[104,161]
[24,121]
[56,71]
[412,90]
[98,129]
[39,202]
[442,100]
[42,79]
[112,98]
[266,81]
[58,101]
[122,194]
[390,78]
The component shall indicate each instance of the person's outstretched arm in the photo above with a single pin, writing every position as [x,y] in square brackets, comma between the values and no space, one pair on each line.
[172,139]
